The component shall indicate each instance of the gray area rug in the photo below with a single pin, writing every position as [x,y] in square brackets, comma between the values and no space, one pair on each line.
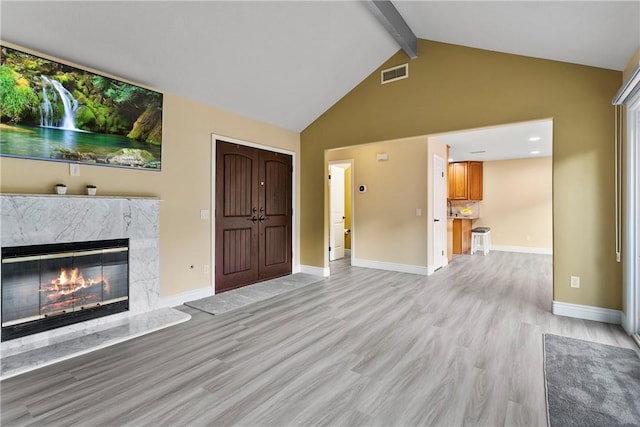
[231,300]
[590,384]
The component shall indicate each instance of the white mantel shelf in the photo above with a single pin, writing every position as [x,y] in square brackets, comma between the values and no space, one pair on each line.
[83,196]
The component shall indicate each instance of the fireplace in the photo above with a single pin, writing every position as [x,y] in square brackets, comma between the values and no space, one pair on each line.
[49,286]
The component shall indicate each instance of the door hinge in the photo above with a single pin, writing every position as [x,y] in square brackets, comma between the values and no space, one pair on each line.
[329,176]
[443,174]
[329,248]
[442,253]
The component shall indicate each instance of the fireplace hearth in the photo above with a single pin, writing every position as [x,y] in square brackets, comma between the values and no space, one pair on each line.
[53,285]
[42,219]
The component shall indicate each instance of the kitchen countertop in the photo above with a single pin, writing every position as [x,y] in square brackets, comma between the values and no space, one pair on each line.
[458,216]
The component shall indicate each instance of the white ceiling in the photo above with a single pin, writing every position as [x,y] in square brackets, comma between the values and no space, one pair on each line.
[501,142]
[602,34]
[286,63]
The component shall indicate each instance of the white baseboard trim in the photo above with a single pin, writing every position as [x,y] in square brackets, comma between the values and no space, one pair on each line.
[316,271]
[587,312]
[194,294]
[522,249]
[390,266]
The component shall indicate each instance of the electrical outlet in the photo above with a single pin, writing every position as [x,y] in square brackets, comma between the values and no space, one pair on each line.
[204,213]
[575,281]
[205,269]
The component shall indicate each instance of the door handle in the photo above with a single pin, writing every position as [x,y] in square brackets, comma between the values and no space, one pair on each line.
[436,220]
[262,218]
[253,218]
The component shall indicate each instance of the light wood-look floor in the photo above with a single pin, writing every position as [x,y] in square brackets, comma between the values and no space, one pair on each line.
[366,347]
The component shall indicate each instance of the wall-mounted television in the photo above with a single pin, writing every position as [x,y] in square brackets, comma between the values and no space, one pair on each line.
[53,111]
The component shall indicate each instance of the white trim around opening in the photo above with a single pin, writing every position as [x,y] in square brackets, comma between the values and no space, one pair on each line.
[631,278]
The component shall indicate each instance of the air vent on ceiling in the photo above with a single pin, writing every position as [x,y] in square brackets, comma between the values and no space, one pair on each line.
[396,73]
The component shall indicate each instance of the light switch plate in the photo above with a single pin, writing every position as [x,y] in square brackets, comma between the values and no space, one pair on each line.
[204,213]
[74,169]
[575,281]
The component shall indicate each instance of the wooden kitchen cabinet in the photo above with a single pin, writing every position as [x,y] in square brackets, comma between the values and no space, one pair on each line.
[474,177]
[458,181]
[461,236]
[465,181]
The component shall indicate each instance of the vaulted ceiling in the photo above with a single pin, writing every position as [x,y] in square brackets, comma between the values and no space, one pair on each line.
[286,63]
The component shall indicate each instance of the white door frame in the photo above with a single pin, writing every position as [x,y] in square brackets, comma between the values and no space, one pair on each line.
[440,216]
[351,226]
[631,278]
[295,266]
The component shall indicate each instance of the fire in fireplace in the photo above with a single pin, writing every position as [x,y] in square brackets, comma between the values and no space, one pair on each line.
[49,286]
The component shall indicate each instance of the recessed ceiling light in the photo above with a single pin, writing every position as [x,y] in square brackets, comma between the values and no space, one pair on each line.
[535,152]
[534,138]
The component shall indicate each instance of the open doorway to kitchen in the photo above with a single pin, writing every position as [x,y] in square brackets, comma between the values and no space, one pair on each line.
[500,178]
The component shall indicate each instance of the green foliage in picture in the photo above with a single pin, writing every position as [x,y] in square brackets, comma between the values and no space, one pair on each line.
[16,97]
[50,110]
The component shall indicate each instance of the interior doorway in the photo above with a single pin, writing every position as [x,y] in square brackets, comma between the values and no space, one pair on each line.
[516,197]
[340,235]
[253,215]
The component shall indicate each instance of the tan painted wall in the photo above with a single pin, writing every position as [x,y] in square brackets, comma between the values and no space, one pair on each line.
[385,227]
[453,88]
[184,184]
[517,202]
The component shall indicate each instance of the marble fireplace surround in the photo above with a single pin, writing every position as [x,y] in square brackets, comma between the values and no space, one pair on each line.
[43,219]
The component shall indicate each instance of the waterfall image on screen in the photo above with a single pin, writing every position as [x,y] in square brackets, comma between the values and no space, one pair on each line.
[53,111]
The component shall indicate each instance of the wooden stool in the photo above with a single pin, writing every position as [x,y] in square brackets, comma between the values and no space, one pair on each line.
[480,240]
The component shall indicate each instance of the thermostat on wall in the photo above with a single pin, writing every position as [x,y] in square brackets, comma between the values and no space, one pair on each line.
[362,188]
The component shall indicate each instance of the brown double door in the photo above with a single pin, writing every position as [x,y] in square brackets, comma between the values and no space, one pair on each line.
[253,215]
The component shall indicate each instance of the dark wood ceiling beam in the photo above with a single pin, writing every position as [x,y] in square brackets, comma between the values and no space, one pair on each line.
[395,24]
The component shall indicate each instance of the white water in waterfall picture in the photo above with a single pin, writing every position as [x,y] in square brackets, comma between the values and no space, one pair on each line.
[53,111]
